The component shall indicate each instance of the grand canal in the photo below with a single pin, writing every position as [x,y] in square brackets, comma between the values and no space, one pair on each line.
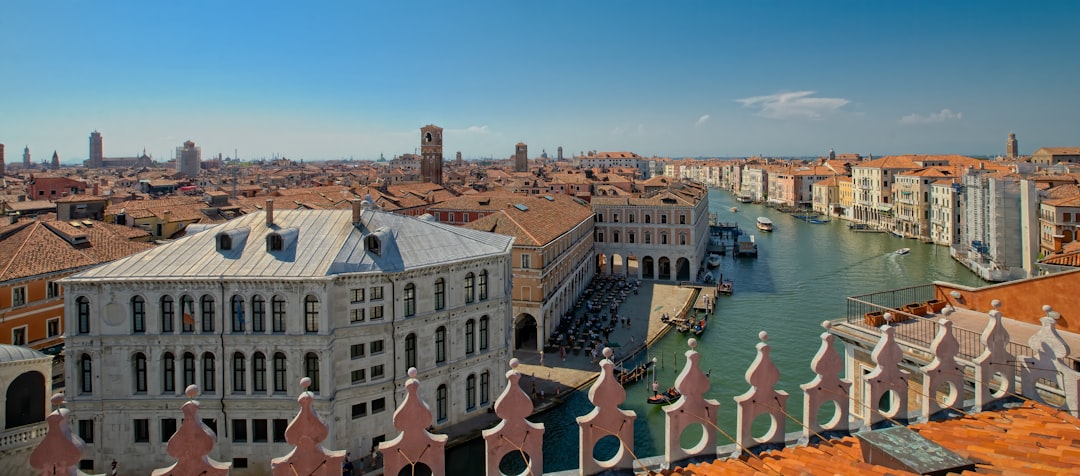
[800,278]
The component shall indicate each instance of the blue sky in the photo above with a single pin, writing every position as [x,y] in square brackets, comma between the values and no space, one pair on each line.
[358,79]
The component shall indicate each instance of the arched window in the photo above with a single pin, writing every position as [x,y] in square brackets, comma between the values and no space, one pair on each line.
[311,314]
[682,238]
[239,369]
[207,305]
[86,374]
[138,315]
[470,392]
[274,242]
[410,300]
[25,403]
[189,369]
[485,387]
[630,237]
[277,313]
[168,314]
[410,351]
[187,308]
[440,294]
[470,336]
[168,373]
[470,288]
[663,218]
[138,367]
[208,372]
[258,314]
[280,376]
[82,312]
[311,370]
[441,403]
[483,285]
[237,313]
[648,218]
[483,333]
[258,372]
[440,345]
[615,236]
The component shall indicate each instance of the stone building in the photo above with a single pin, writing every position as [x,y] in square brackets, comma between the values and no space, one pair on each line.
[189,159]
[431,150]
[350,299]
[25,380]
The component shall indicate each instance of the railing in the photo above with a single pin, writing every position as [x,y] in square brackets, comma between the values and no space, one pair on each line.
[20,436]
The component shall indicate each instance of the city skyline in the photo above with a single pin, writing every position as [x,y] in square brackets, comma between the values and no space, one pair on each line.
[691,79]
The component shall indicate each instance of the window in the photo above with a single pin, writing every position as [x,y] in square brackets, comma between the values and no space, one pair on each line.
[274,242]
[378,405]
[599,237]
[648,218]
[630,217]
[440,294]
[377,372]
[258,372]
[470,287]
[237,313]
[168,314]
[376,313]
[189,369]
[483,333]
[682,219]
[470,392]
[168,429]
[86,374]
[682,238]
[376,293]
[208,372]
[280,385]
[224,242]
[356,351]
[187,307]
[615,236]
[599,217]
[18,336]
[376,347]
[359,410]
[280,424]
[18,296]
[470,335]
[648,238]
[168,373]
[207,305]
[86,430]
[526,260]
[52,289]
[663,238]
[311,314]
[142,430]
[410,300]
[239,368]
[663,218]
[630,237]
[258,314]
[311,370]
[139,370]
[483,285]
[52,327]
[359,375]
[259,432]
[358,295]
[82,311]
[138,315]
[356,315]
[239,431]
[440,403]
[440,345]
[410,351]
[485,387]
[277,313]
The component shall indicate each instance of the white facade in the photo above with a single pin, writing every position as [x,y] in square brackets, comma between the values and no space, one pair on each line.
[990,244]
[945,214]
[247,308]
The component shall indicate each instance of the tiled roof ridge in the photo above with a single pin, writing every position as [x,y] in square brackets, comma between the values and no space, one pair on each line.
[522,228]
[22,246]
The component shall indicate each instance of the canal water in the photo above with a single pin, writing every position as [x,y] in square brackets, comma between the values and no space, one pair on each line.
[801,277]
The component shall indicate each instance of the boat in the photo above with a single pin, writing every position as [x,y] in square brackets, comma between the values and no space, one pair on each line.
[764,224]
[817,221]
[734,209]
[665,398]
[897,234]
[726,288]
[903,251]
[713,261]
[746,246]
[699,328]
[743,199]
[624,375]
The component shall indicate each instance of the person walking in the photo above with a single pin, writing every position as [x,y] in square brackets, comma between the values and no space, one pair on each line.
[113,471]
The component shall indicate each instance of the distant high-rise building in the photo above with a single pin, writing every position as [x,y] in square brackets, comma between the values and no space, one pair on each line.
[560,153]
[1,160]
[97,151]
[55,161]
[189,159]
[1012,147]
[26,157]
[431,158]
[521,157]
[459,161]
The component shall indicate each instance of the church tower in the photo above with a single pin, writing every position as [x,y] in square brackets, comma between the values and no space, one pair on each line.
[431,158]
[1012,147]
[1,160]
[26,157]
[97,151]
[55,161]
[521,157]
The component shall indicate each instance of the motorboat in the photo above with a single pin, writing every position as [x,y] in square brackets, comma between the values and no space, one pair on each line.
[764,224]
[903,251]
[734,209]
[744,199]
[726,288]
[713,261]
[746,246]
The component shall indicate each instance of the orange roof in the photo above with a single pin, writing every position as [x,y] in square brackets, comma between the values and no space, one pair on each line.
[541,222]
[37,247]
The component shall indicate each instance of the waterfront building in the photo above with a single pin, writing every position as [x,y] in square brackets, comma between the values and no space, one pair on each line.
[552,261]
[755,182]
[791,185]
[1012,147]
[521,157]
[874,180]
[911,196]
[431,154]
[945,212]
[661,234]
[189,159]
[1056,155]
[1059,222]
[606,160]
[992,229]
[826,197]
[845,189]
[25,388]
[348,298]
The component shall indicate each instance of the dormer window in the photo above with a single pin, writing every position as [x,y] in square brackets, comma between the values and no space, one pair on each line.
[373,245]
[224,242]
[274,242]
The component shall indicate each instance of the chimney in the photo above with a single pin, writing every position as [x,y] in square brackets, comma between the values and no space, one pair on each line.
[356,209]
[269,212]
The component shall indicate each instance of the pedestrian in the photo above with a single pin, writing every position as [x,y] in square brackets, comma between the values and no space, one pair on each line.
[360,466]
[113,471]
[562,352]
[541,358]
[534,390]
[346,466]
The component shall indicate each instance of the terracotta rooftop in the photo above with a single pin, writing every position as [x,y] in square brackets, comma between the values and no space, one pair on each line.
[36,247]
[539,223]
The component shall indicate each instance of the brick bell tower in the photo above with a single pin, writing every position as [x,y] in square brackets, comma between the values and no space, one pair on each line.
[431,158]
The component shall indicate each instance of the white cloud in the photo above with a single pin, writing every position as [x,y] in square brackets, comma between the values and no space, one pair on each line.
[618,131]
[473,130]
[702,120]
[934,117]
[793,104]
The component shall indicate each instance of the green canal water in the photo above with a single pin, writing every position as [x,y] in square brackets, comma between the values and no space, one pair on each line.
[801,277]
